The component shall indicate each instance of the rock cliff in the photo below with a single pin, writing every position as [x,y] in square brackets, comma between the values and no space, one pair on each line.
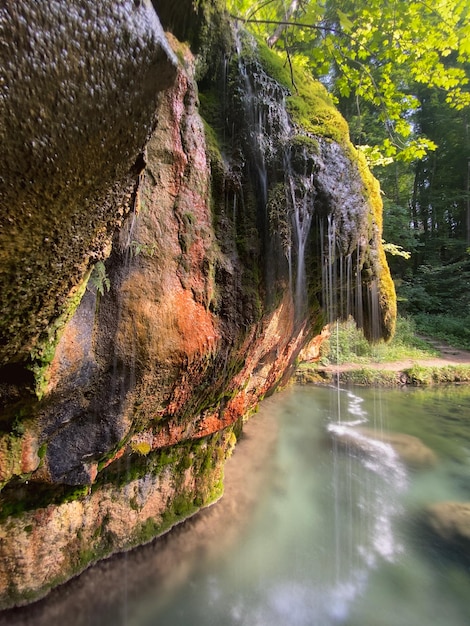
[177,224]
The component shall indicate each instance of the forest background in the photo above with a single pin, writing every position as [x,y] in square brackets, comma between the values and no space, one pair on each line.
[398,71]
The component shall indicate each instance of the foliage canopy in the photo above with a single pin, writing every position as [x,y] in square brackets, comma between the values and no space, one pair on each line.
[376,52]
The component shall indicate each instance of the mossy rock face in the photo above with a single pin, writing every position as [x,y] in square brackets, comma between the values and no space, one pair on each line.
[292,138]
[78,105]
[194,315]
[202,24]
[127,508]
[308,102]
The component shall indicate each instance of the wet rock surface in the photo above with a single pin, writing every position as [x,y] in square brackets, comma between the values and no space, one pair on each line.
[79,86]
[154,305]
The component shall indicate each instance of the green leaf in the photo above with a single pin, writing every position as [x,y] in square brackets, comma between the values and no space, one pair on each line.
[344,21]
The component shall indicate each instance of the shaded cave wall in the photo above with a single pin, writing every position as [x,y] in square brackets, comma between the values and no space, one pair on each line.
[161,308]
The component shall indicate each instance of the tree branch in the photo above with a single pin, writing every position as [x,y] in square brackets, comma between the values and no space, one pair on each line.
[340,33]
[294,5]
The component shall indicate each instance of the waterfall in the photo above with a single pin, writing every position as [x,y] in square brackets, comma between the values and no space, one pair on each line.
[265,111]
[277,157]
[296,177]
[301,192]
[373,307]
[329,259]
[342,282]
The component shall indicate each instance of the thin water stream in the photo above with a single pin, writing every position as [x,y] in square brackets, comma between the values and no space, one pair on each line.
[310,532]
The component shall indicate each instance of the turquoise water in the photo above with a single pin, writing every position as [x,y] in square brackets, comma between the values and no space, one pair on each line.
[331,541]
[310,532]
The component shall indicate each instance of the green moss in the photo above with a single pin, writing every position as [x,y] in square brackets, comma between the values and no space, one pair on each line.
[309,104]
[371,377]
[218,173]
[211,112]
[11,453]
[187,461]
[418,376]
[304,141]
[206,458]
[232,441]
[42,451]
[75,493]
[386,286]
[43,353]
[141,447]
[11,508]
[134,504]
[306,375]
[148,531]
[198,454]
[21,495]
[18,427]
[99,278]
[104,460]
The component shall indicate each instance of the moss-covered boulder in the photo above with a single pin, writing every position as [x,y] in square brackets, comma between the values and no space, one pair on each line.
[318,207]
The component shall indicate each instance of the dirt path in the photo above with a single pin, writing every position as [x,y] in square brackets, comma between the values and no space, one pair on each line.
[448,356]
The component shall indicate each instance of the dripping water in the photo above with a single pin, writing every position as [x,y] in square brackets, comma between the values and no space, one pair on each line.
[301,194]
[365,510]
[342,288]
[358,313]
[266,118]
[270,134]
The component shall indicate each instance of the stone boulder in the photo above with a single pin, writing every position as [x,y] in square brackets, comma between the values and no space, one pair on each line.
[450,522]
[79,86]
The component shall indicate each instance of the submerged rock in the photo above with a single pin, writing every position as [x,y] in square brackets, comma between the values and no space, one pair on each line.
[411,450]
[450,521]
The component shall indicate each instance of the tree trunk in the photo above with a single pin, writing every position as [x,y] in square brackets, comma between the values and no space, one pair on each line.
[294,5]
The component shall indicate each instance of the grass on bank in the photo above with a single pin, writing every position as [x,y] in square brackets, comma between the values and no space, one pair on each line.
[347,344]
[454,331]
[416,376]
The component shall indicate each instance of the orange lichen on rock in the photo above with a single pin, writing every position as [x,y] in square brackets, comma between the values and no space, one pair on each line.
[311,352]
[19,453]
[195,325]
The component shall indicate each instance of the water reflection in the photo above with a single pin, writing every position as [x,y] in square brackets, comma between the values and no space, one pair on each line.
[311,532]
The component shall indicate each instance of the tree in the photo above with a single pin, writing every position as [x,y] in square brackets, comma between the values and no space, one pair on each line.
[375,51]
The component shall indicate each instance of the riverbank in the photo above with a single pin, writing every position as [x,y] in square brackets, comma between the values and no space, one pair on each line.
[451,366]
[116,591]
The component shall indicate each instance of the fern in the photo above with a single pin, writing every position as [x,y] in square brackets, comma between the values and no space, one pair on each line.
[99,279]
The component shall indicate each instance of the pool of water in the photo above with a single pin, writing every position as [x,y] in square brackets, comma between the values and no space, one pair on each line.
[309,532]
